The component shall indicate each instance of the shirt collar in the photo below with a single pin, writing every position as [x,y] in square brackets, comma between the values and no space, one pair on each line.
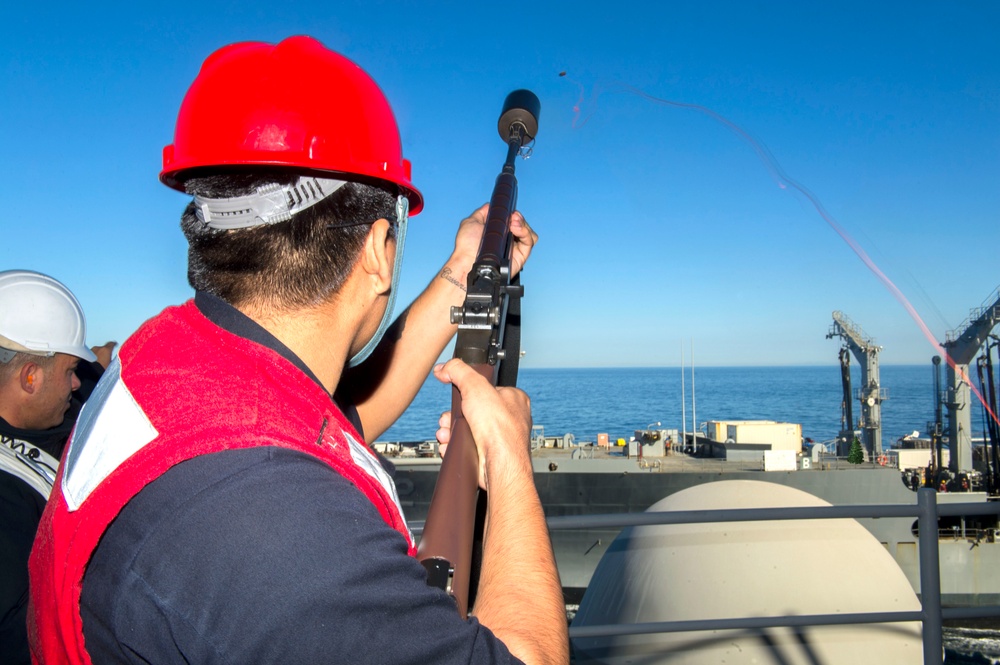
[227,317]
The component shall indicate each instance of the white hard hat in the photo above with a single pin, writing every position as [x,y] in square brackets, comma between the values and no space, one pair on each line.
[39,315]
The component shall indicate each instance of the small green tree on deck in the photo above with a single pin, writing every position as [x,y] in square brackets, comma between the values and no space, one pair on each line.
[856,455]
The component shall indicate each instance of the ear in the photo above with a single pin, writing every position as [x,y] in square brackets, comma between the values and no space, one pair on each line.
[31,376]
[377,256]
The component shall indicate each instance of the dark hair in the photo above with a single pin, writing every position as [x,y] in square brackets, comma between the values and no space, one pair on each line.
[288,265]
[13,366]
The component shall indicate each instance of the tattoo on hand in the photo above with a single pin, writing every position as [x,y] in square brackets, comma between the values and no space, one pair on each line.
[447,275]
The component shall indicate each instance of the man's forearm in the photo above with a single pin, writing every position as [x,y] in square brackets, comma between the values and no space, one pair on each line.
[520,597]
[411,348]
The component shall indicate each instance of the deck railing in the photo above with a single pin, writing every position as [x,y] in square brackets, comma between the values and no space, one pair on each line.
[927,511]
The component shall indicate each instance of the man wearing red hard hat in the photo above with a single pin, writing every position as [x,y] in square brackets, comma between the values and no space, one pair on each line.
[218,502]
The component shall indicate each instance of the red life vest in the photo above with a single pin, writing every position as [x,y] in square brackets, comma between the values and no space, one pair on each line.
[181,387]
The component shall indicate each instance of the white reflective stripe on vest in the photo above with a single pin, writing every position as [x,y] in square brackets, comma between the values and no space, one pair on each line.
[29,463]
[111,428]
[366,461]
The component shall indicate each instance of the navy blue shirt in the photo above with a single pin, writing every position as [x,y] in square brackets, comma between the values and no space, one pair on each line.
[21,509]
[265,555]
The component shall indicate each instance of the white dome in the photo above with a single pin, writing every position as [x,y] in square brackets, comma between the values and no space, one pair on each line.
[746,569]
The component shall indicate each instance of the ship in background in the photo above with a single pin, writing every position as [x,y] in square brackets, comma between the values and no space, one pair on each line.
[606,477]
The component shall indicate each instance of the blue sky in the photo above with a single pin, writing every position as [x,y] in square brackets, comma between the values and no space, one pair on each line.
[660,227]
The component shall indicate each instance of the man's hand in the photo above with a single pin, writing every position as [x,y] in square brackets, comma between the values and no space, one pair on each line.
[104,353]
[517,552]
[388,381]
[470,234]
[500,419]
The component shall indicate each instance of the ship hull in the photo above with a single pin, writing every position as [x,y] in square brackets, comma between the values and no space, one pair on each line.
[571,485]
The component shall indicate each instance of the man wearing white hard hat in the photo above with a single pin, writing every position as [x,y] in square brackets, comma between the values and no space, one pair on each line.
[46,371]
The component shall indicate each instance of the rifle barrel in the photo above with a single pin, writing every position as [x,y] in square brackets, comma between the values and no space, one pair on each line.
[446,547]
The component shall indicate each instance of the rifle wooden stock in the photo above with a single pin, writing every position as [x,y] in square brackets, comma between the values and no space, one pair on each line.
[447,542]
[448,538]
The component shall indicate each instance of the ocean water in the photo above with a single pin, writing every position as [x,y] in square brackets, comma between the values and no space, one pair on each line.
[586,402]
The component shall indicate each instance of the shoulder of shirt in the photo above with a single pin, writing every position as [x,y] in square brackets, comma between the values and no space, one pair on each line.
[264,460]
[268,471]
[217,486]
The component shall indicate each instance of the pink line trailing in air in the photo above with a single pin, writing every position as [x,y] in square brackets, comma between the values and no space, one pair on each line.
[784,181]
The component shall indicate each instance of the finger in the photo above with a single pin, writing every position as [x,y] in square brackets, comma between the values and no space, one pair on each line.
[479,214]
[516,399]
[525,239]
[523,233]
[476,217]
[440,374]
[521,229]
[462,376]
[443,433]
[514,393]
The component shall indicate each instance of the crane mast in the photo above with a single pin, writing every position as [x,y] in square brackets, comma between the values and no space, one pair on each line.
[870,394]
[962,345]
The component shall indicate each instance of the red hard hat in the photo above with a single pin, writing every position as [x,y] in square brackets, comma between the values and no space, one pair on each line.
[293,104]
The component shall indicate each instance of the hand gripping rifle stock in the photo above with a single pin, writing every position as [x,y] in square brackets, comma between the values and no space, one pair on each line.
[488,340]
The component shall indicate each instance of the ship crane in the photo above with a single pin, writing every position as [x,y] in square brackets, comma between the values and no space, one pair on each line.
[870,394]
[962,345]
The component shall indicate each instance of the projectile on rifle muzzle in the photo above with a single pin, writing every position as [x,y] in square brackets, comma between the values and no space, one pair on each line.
[520,108]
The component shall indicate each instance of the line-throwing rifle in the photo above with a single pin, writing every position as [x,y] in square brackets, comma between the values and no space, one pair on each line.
[488,340]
